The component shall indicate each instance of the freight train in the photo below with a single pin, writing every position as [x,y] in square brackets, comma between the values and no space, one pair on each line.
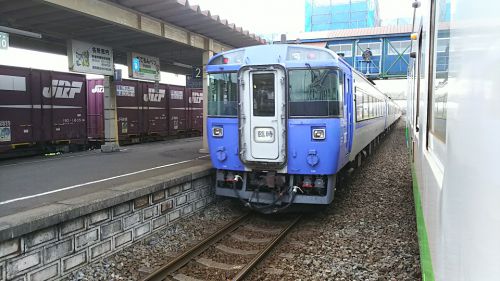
[452,130]
[284,120]
[44,110]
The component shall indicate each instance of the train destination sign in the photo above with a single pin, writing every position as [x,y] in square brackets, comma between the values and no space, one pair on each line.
[4,41]
[90,58]
[144,67]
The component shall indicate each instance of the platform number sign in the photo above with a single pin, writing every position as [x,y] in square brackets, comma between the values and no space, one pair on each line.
[4,41]
[197,72]
[195,80]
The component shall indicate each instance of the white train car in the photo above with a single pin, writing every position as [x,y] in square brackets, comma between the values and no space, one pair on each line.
[453,134]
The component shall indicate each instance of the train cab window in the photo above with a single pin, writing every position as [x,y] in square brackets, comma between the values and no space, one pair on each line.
[315,92]
[263,94]
[222,98]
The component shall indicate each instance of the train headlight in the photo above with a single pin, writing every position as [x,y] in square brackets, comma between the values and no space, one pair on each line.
[319,134]
[218,132]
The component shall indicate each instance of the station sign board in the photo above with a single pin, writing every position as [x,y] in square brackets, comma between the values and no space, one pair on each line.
[4,41]
[90,58]
[144,67]
[195,80]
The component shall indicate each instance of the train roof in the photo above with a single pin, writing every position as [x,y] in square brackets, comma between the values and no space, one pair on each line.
[289,55]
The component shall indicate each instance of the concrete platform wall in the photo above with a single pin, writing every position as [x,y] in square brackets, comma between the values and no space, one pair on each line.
[55,251]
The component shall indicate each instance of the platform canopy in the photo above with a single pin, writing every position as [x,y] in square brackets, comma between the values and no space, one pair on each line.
[173,30]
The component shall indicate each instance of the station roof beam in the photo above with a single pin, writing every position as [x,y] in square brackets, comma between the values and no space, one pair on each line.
[172,30]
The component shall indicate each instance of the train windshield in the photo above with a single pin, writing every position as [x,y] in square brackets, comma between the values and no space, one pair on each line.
[315,92]
[222,99]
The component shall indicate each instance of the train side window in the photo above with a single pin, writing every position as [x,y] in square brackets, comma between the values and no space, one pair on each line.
[365,107]
[359,107]
[372,108]
[438,86]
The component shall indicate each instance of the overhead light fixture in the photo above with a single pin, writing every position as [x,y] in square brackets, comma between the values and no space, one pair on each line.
[182,65]
[20,32]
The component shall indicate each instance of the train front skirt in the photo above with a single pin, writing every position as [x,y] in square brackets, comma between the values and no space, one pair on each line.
[271,197]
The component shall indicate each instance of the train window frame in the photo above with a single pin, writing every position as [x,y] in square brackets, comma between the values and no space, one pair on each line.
[262,94]
[435,93]
[358,107]
[235,115]
[418,76]
[340,96]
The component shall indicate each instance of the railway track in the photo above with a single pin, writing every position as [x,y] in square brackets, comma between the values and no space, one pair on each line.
[230,253]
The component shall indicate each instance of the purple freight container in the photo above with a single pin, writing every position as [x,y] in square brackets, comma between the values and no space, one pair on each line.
[16,113]
[155,110]
[178,110]
[128,109]
[95,110]
[41,107]
[195,111]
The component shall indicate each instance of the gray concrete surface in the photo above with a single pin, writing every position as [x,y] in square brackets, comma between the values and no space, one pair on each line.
[30,176]
[53,240]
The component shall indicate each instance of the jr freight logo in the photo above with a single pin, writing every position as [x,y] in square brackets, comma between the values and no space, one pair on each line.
[152,96]
[63,89]
[196,97]
[98,89]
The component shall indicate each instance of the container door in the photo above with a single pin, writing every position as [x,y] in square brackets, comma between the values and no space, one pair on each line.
[263,114]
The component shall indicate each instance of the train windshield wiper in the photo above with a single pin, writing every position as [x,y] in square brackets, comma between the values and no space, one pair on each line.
[313,75]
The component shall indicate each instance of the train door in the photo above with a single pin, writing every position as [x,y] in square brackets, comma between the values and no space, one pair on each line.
[262,114]
[348,101]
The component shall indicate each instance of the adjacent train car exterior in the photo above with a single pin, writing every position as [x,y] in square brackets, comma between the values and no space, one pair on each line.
[283,120]
[453,121]
[41,109]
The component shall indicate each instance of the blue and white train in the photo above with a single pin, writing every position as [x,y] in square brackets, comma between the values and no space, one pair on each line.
[284,120]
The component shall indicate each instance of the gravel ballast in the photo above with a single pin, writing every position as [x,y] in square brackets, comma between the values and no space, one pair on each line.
[367,233]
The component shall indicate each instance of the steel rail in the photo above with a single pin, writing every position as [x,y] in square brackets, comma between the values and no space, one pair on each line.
[180,261]
[244,271]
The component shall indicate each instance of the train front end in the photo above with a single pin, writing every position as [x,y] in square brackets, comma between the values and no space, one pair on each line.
[275,125]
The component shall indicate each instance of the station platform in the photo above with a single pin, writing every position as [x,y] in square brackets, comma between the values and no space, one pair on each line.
[47,189]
